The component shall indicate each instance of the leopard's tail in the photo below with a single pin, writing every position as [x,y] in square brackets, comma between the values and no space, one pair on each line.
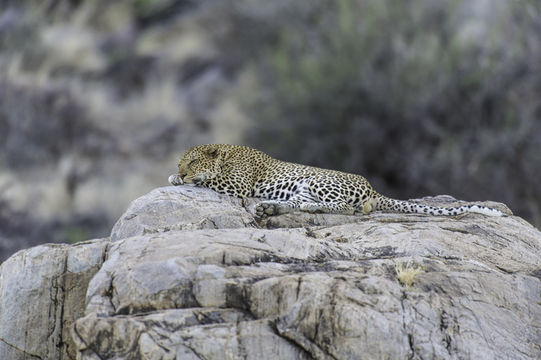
[384,203]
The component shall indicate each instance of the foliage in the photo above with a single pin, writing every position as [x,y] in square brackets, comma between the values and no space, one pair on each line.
[98,98]
[420,96]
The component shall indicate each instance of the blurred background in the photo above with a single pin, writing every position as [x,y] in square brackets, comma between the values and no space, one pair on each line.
[98,99]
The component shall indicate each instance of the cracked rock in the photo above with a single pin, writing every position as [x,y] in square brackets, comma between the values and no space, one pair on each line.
[191,274]
[42,292]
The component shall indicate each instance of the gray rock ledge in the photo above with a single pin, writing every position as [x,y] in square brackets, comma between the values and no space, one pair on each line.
[190,274]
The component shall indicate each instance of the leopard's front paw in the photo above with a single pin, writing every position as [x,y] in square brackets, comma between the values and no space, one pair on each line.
[200,178]
[175,180]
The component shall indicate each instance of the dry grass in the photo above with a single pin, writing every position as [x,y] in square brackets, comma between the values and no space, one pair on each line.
[406,272]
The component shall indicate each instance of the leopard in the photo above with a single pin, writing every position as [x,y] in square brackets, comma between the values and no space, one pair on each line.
[284,187]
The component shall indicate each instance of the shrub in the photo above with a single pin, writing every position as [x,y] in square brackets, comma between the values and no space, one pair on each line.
[422,97]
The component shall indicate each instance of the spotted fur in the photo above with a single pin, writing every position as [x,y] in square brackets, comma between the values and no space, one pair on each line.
[245,172]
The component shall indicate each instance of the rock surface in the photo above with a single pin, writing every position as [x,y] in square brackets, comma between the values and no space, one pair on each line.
[190,274]
[42,292]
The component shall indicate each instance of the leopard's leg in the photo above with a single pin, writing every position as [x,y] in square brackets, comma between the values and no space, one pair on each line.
[368,206]
[328,207]
[278,207]
[274,207]
[198,179]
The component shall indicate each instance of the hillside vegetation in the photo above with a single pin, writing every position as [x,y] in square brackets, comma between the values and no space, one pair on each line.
[98,99]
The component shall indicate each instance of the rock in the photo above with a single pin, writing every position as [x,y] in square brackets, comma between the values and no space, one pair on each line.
[42,292]
[181,208]
[192,275]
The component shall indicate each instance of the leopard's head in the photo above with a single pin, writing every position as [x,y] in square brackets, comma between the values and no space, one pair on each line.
[199,164]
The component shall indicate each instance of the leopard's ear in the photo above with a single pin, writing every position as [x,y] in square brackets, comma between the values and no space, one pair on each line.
[216,152]
[212,151]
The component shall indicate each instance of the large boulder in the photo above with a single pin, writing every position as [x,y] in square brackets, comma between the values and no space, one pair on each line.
[181,208]
[42,292]
[191,274]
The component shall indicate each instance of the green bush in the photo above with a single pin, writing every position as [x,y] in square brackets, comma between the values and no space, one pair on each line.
[422,97]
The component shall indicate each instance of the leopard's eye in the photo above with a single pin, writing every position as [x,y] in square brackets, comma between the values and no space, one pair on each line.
[192,162]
